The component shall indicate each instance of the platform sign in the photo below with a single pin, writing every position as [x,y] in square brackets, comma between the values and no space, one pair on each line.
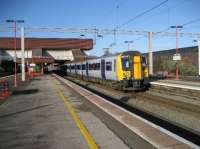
[32,65]
[15,58]
[177,57]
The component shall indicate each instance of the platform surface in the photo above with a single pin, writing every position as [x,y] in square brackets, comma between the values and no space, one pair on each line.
[35,116]
[189,83]
[178,84]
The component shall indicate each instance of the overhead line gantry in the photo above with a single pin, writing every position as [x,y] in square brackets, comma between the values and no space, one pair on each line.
[100,32]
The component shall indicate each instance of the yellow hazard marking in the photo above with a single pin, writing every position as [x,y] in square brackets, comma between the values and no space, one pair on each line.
[87,136]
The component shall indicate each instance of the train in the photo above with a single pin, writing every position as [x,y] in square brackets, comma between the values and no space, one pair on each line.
[124,71]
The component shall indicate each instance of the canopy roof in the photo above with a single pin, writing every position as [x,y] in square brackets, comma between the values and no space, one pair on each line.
[48,43]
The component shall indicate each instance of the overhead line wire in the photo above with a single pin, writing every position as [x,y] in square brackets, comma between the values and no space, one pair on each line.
[143,13]
[191,22]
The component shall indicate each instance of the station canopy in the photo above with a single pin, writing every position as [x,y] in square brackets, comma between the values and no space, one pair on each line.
[46,49]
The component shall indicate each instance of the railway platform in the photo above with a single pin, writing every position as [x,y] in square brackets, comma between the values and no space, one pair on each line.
[45,113]
[180,88]
[179,84]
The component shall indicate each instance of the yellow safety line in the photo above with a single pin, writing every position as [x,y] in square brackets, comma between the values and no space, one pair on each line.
[90,141]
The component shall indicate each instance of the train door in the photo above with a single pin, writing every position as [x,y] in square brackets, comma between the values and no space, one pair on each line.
[103,76]
[81,66]
[66,70]
[137,68]
[86,68]
[75,69]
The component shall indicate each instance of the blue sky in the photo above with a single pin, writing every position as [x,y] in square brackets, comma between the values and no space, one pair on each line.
[106,14]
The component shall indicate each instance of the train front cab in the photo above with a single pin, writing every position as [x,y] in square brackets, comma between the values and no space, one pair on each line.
[131,70]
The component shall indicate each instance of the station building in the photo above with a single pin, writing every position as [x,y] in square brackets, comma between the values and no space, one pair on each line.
[43,53]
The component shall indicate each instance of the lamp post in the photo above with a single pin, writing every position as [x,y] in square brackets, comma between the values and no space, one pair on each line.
[22,54]
[150,36]
[128,42]
[15,47]
[177,51]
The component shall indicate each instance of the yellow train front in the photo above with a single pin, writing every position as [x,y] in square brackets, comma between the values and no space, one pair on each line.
[132,71]
[124,71]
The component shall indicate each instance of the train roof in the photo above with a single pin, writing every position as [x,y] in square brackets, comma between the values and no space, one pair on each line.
[131,53]
[123,53]
[109,55]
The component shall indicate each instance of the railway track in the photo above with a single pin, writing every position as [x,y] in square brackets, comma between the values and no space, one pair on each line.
[126,101]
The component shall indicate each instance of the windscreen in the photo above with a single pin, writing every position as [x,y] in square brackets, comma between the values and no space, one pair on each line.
[126,63]
[144,62]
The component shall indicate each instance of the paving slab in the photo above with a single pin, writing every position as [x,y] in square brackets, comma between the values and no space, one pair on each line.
[35,117]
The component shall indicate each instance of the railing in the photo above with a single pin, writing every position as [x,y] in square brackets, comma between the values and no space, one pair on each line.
[4,89]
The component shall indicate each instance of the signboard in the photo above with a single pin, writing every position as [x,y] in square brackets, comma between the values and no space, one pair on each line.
[177,57]
[15,59]
[32,65]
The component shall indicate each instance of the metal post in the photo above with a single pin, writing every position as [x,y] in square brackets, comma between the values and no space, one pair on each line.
[15,48]
[15,56]
[150,53]
[27,64]
[177,51]
[0,58]
[199,54]
[128,47]
[22,54]
[129,42]
[42,69]
[177,62]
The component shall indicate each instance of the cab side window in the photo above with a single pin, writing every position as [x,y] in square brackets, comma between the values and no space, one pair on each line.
[108,66]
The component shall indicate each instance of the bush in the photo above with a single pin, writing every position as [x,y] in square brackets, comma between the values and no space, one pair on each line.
[170,66]
[187,69]
[37,68]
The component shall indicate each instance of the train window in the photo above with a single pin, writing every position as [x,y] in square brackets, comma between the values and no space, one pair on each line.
[78,67]
[97,66]
[83,67]
[94,66]
[126,63]
[90,66]
[72,67]
[108,66]
[144,63]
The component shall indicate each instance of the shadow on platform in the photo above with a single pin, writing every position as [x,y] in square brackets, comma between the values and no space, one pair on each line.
[28,91]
